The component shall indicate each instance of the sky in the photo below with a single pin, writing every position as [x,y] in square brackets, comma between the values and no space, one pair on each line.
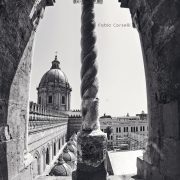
[122,87]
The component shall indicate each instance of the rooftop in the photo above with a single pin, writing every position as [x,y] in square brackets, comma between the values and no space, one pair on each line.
[124,162]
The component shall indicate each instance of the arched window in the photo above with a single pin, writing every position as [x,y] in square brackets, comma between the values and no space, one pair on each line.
[39,100]
[63,99]
[59,144]
[50,99]
[54,148]
[119,129]
[136,129]
[47,156]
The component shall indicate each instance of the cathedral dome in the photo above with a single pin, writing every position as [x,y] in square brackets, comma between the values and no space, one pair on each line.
[61,168]
[68,156]
[54,77]
[54,91]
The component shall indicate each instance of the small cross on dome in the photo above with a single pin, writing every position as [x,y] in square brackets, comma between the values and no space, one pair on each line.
[56,54]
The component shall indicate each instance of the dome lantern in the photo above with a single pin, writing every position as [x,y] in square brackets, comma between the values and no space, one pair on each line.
[55,63]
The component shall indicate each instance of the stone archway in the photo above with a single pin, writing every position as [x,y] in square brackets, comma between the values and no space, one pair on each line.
[158,24]
[17,36]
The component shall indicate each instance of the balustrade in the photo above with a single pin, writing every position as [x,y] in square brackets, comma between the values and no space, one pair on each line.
[40,116]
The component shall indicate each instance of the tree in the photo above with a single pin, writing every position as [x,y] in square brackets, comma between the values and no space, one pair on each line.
[109,131]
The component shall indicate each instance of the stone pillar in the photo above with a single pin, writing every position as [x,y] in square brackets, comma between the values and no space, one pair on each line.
[17,34]
[91,141]
[69,98]
[67,101]
[50,152]
[57,147]
[42,161]
[158,23]
[15,131]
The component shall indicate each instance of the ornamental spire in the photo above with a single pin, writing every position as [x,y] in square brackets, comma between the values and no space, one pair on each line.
[55,63]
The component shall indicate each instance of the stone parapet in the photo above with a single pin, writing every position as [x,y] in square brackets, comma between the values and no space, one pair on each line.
[158,24]
[38,109]
[40,116]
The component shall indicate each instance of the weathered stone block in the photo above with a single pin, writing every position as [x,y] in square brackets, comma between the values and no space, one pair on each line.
[91,147]
[170,163]
[91,155]
[147,171]
[159,26]
[171,120]
[140,166]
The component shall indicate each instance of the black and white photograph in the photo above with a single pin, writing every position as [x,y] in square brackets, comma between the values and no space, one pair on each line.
[89,90]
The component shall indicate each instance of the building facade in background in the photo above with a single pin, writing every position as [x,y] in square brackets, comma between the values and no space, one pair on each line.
[127,132]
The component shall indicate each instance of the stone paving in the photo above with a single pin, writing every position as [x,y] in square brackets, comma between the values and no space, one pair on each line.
[124,162]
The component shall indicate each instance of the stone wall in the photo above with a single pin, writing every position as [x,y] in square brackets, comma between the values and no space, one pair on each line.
[41,117]
[18,22]
[41,146]
[74,124]
[158,23]
[46,136]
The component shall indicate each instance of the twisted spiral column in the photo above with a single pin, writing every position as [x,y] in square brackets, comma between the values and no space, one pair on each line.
[89,82]
[91,141]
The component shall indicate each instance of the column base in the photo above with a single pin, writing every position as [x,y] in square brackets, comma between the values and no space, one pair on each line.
[85,172]
[91,162]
